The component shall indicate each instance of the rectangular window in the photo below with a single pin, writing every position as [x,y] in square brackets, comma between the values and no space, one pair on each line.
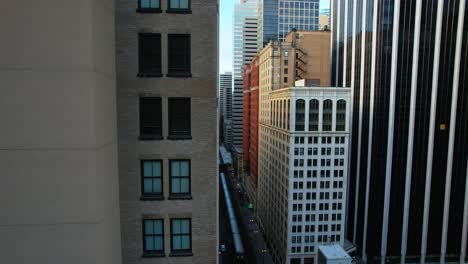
[181,236]
[178,6]
[180,178]
[153,237]
[179,55]
[179,118]
[149,55]
[151,179]
[150,6]
[150,118]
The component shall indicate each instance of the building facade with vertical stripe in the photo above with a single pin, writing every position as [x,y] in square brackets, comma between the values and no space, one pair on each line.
[406,62]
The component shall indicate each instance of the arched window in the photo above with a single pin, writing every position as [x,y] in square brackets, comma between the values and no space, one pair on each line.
[340,115]
[300,115]
[313,115]
[327,115]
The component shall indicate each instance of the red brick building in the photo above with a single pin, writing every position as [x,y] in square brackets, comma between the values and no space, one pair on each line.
[250,131]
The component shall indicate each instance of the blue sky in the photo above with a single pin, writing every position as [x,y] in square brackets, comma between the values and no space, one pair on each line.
[225,32]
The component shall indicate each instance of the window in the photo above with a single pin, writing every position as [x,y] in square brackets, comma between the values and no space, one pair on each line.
[153,237]
[149,55]
[151,182]
[327,115]
[313,115]
[300,115]
[179,55]
[178,6]
[180,178]
[149,6]
[181,236]
[179,118]
[150,118]
[340,115]
[285,79]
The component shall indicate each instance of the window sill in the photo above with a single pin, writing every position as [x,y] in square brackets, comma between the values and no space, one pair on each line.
[181,254]
[149,74]
[179,75]
[180,197]
[147,197]
[153,255]
[150,137]
[149,10]
[179,11]
[179,137]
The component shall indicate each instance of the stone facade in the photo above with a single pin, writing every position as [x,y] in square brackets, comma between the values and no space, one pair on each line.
[201,88]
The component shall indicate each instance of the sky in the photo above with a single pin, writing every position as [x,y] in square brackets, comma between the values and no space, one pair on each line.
[225,32]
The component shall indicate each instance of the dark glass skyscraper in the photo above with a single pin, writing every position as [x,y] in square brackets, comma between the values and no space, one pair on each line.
[267,22]
[407,64]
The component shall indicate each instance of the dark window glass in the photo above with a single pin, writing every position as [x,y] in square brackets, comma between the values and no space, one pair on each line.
[179,5]
[180,177]
[153,236]
[300,115]
[179,55]
[179,117]
[147,5]
[313,115]
[181,235]
[327,115]
[340,115]
[149,54]
[151,173]
[150,118]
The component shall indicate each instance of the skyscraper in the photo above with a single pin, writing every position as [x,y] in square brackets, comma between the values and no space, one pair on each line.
[245,48]
[267,22]
[225,105]
[297,14]
[406,62]
[167,125]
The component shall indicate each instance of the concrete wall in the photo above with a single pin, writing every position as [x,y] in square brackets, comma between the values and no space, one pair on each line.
[58,140]
[201,24]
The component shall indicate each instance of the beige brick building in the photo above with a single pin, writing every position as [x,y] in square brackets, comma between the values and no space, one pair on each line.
[167,126]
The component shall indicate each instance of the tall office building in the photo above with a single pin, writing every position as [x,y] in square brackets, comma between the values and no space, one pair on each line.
[267,22]
[406,62]
[58,141]
[167,123]
[225,105]
[303,150]
[297,14]
[245,48]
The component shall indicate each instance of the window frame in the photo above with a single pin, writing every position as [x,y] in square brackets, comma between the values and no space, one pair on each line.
[143,136]
[187,10]
[181,252]
[147,73]
[170,133]
[152,253]
[148,9]
[170,71]
[180,196]
[151,196]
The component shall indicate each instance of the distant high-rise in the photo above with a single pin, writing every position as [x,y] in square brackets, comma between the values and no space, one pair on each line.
[267,22]
[245,48]
[225,105]
[297,14]
[406,62]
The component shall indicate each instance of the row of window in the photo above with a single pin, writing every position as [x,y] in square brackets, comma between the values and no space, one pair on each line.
[314,162]
[149,55]
[151,118]
[173,6]
[315,140]
[326,115]
[314,151]
[153,237]
[323,174]
[152,179]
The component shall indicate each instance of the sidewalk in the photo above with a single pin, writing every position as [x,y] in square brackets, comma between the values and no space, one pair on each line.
[255,246]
